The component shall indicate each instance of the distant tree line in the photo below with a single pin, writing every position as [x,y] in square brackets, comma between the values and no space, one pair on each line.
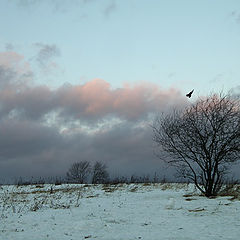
[144,178]
[83,172]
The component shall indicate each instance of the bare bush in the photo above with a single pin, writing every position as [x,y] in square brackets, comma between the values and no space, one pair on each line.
[100,173]
[79,172]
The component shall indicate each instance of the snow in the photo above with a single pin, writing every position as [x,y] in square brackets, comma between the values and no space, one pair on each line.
[115,212]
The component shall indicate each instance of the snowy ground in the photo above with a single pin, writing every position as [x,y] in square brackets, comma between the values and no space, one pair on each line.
[120,212]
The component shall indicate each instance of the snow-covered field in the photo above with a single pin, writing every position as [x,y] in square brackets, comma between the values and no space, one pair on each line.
[114,212]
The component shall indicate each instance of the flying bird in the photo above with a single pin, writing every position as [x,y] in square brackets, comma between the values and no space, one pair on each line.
[189,94]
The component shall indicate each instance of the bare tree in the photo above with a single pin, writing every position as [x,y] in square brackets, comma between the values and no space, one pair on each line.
[100,173]
[202,141]
[79,172]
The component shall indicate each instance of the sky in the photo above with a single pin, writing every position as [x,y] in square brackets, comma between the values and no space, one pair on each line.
[82,79]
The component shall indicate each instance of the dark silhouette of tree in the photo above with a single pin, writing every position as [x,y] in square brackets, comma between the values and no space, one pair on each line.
[100,173]
[202,141]
[79,172]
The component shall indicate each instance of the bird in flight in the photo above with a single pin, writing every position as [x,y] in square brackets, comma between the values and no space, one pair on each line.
[189,94]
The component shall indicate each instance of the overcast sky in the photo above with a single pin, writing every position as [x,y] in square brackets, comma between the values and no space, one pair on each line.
[82,79]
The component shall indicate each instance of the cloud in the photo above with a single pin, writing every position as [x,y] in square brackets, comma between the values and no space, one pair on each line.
[11,60]
[44,130]
[235,92]
[46,53]
[65,6]
[14,69]
[6,76]
[57,6]
[29,103]
[9,47]
[110,8]
[235,15]
[90,102]
[25,138]
[30,149]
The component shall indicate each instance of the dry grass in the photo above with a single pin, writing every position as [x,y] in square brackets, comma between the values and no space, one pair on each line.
[187,195]
[92,196]
[109,188]
[231,190]
[190,199]
[196,210]
[173,186]
[147,184]
[39,186]
[134,189]
[52,190]
[35,198]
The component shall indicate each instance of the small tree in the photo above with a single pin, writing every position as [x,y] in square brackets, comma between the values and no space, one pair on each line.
[100,173]
[79,172]
[202,141]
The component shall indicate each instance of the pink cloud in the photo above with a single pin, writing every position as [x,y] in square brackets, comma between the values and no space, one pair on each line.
[14,61]
[97,99]
[91,101]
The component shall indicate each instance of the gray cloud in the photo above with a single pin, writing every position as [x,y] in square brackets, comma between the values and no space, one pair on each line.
[29,149]
[43,131]
[235,15]
[29,103]
[235,92]
[6,76]
[57,6]
[25,138]
[9,47]
[110,8]
[64,6]
[90,102]
[46,54]
[13,70]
